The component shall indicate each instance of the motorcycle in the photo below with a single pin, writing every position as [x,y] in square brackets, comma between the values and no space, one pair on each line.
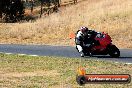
[104,46]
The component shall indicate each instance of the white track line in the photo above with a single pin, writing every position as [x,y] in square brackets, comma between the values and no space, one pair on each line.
[128,63]
[33,55]
[38,55]
[8,53]
[19,54]
[22,54]
[27,55]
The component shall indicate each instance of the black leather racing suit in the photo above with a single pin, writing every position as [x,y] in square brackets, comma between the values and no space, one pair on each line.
[82,40]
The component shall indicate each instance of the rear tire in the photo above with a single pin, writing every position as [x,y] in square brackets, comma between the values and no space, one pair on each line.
[114,51]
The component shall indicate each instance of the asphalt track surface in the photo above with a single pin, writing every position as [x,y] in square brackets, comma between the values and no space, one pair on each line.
[61,51]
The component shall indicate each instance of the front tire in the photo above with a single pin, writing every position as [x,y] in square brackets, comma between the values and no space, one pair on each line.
[114,51]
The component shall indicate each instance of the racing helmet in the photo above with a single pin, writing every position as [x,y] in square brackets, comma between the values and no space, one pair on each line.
[84,29]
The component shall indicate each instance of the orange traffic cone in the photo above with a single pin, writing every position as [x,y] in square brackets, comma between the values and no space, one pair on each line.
[71,37]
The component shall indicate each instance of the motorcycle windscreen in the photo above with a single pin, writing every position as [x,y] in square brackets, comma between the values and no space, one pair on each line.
[104,41]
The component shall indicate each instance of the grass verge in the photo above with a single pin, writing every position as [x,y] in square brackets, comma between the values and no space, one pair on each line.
[54,72]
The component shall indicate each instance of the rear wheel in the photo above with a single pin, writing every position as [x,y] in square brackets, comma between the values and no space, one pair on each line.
[114,51]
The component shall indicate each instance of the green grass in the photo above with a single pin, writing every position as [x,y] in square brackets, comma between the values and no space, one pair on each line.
[54,72]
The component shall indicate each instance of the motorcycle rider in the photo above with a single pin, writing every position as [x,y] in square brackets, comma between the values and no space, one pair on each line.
[84,40]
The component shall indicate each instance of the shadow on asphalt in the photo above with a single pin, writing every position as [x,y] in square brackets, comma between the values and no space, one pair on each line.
[121,57]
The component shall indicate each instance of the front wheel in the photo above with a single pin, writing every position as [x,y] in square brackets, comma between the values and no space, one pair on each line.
[114,51]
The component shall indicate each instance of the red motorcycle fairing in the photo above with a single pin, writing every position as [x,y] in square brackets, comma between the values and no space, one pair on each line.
[104,40]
